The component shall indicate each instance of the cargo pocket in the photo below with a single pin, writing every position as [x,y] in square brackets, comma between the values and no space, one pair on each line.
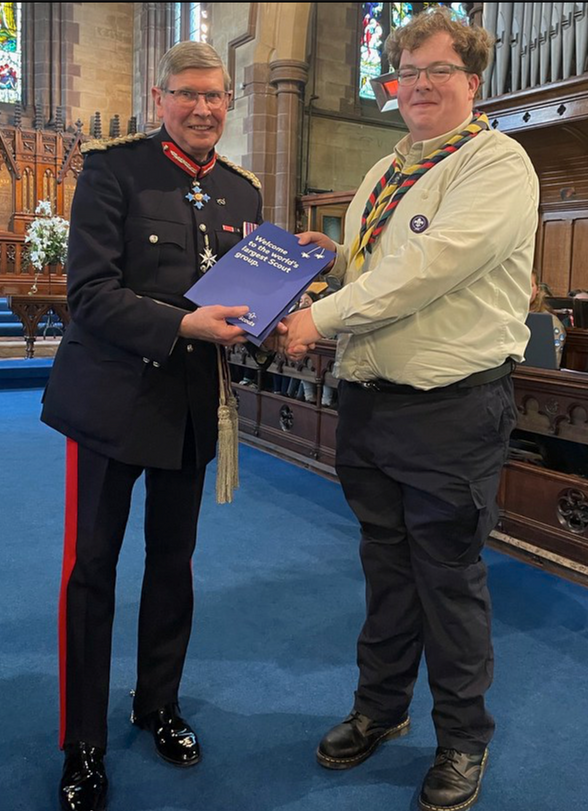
[484,492]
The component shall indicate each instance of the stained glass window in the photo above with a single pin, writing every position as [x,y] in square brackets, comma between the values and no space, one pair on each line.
[178,22]
[10,53]
[376,21]
[198,22]
[400,13]
[372,43]
[190,21]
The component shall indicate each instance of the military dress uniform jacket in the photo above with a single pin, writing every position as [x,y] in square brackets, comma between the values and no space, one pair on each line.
[122,383]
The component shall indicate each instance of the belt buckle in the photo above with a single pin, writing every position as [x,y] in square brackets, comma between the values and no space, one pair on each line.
[370,385]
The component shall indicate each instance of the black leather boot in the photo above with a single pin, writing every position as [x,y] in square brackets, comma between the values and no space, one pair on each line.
[453,782]
[353,740]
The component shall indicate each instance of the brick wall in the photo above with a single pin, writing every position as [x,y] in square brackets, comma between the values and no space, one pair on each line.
[346,138]
[104,59]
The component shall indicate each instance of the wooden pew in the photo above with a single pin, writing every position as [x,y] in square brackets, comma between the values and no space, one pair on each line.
[545,509]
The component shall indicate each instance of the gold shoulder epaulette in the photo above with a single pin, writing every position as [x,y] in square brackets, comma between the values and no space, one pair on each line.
[253,179]
[100,144]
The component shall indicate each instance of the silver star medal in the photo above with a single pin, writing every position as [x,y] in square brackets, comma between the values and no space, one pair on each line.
[207,257]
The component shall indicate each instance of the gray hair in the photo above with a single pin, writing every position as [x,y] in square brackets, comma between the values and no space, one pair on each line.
[185,55]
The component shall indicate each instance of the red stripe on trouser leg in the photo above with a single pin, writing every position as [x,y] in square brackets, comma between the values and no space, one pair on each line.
[69,560]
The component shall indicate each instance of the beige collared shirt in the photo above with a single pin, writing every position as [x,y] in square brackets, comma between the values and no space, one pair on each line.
[445,292]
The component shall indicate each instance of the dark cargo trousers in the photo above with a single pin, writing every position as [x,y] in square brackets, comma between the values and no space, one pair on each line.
[421,472]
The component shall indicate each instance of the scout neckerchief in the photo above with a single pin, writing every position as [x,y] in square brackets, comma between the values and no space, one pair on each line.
[392,187]
[227,472]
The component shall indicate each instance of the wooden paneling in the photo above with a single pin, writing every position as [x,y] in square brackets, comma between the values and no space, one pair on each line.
[248,405]
[565,183]
[579,272]
[35,162]
[557,255]
[6,197]
[556,104]
[546,509]
[291,424]
[327,440]
[551,123]
[562,250]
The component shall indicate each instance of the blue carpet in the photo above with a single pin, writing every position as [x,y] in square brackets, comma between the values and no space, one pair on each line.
[279,598]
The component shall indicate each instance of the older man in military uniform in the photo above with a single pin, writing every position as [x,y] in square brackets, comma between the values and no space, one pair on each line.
[135,388]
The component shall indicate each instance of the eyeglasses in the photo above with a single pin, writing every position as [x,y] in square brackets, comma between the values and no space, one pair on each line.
[436,74]
[187,98]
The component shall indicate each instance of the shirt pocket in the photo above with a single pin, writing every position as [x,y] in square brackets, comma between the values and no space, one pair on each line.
[226,241]
[415,214]
[151,244]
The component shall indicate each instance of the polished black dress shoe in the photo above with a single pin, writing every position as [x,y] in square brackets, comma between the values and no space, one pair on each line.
[83,783]
[354,739]
[453,782]
[175,740]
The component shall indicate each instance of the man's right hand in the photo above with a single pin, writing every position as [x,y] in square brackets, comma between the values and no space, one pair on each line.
[322,240]
[209,324]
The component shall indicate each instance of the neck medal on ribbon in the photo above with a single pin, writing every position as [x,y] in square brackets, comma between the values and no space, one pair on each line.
[197,196]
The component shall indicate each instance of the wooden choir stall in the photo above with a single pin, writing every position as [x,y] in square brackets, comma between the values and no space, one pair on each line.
[36,164]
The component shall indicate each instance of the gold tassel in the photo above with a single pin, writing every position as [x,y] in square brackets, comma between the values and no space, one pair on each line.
[227,458]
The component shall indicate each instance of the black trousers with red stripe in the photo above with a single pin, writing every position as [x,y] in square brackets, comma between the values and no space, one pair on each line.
[98,497]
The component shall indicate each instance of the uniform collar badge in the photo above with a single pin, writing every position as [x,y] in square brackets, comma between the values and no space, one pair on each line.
[197,171]
[185,162]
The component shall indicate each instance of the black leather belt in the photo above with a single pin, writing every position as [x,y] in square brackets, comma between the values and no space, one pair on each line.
[476,379]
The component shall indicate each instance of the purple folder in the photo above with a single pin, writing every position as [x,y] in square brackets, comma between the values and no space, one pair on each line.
[268,271]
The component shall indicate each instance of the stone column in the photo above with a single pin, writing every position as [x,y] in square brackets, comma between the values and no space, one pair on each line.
[48,69]
[153,36]
[289,77]
[260,127]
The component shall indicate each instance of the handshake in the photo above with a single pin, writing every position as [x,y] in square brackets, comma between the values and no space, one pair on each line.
[297,332]
[294,335]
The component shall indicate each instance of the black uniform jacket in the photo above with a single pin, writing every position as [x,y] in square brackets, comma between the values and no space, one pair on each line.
[122,383]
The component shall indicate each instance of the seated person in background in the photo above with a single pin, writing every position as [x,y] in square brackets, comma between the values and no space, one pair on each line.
[538,304]
[307,299]
[292,386]
[287,386]
[249,378]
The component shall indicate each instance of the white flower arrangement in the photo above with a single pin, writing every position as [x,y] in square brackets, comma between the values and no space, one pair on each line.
[46,238]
